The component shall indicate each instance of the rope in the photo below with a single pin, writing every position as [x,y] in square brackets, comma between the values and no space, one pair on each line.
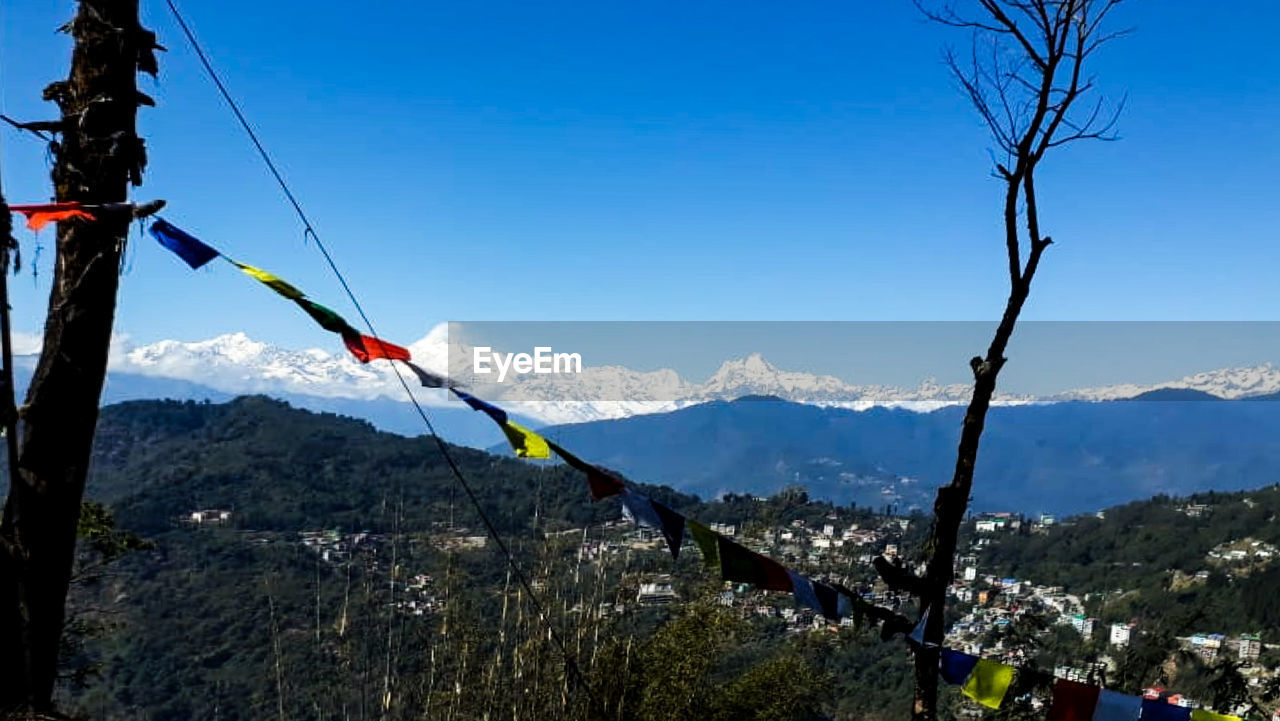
[310,232]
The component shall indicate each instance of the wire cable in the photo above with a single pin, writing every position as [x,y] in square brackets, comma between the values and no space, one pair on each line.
[309,231]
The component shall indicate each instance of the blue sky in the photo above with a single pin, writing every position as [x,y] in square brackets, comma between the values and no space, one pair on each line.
[667,161]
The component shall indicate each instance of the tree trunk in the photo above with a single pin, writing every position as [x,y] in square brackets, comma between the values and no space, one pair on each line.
[98,156]
[953,499]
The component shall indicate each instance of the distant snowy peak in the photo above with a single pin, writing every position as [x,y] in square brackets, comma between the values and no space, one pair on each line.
[1229,383]
[235,363]
[754,375]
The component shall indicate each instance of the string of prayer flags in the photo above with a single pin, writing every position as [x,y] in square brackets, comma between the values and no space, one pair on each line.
[1073,701]
[41,214]
[524,442]
[193,252]
[364,348]
[955,666]
[600,484]
[738,563]
[1158,709]
[645,511]
[988,683]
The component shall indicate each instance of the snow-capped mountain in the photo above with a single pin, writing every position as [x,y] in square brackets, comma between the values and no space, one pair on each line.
[1229,383]
[235,363]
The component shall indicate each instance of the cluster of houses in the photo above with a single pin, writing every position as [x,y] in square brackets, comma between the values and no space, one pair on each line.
[994,603]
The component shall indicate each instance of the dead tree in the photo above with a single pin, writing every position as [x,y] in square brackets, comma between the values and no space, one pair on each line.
[1025,75]
[98,156]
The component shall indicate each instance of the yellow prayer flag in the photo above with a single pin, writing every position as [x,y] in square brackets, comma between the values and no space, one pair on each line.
[272,281]
[1202,715]
[988,683]
[525,442]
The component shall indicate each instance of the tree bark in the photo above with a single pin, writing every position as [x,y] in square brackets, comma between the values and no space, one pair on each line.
[98,156]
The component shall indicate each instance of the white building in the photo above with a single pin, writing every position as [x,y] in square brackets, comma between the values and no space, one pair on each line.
[1121,633]
[1083,624]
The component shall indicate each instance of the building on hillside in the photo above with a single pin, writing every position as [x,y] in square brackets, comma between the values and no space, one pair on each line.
[212,516]
[991,525]
[970,573]
[1250,646]
[656,593]
[1207,645]
[1122,633]
[1083,624]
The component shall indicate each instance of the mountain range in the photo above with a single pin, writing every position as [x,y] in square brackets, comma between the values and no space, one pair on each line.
[235,364]
[752,427]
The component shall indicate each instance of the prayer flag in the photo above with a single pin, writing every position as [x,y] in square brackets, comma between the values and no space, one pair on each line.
[525,442]
[917,633]
[834,604]
[647,512]
[1203,715]
[956,666]
[327,319]
[1114,706]
[366,348]
[1158,709]
[988,683]
[427,378]
[707,541]
[489,409]
[193,252]
[40,215]
[738,563]
[601,484]
[270,280]
[804,592]
[1073,701]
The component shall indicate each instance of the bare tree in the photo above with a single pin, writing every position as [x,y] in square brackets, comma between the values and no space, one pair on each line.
[1025,75]
[98,156]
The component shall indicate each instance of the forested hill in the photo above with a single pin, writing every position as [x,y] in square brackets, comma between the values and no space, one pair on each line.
[279,468]
[1207,563]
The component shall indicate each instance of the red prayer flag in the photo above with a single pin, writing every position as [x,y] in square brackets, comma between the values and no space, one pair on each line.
[1073,701]
[366,348]
[40,215]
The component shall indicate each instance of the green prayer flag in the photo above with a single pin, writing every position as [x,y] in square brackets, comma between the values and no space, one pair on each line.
[327,319]
[705,538]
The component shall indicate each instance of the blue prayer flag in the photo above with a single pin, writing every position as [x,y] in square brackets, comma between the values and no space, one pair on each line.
[1114,706]
[1161,710]
[491,410]
[191,250]
[955,666]
[804,592]
[647,512]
